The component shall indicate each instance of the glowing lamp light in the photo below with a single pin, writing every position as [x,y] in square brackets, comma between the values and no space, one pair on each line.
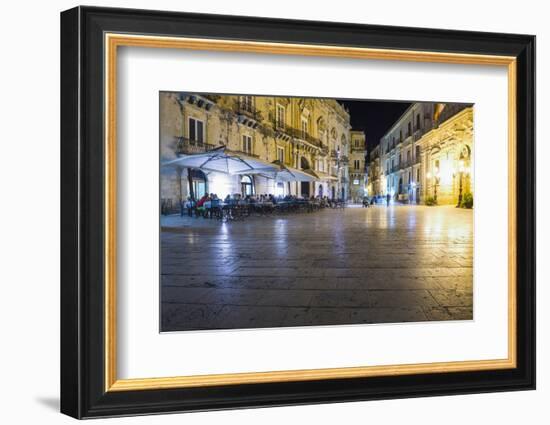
[429,175]
[220,185]
[446,172]
[279,190]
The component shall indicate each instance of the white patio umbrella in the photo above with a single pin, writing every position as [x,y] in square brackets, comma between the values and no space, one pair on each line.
[287,174]
[224,161]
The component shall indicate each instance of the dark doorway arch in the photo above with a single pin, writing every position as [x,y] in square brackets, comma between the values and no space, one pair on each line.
[305,187]
[247,185]
[197,183]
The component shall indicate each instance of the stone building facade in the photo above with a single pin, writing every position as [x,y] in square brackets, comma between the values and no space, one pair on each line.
[303,133]
[375,173]
[448,155]
[427,154]
[357,166]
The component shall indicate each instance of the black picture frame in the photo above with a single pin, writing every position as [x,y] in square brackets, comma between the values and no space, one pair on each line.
[83,392]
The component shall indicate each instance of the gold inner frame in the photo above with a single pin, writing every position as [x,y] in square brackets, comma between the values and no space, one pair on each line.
[113,41]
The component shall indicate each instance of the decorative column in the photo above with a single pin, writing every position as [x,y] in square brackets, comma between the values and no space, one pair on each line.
[424,166]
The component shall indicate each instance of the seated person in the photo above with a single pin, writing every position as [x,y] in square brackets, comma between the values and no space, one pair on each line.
[200,204]
[189,205]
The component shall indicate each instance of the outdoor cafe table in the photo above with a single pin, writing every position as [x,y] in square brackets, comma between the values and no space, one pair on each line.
[225,210]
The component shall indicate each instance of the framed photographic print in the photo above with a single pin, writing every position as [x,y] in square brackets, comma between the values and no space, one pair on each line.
[261,212]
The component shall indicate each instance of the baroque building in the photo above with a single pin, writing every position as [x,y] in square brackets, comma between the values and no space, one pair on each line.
[312,135]
[357,166]
[427,154]
[374,173]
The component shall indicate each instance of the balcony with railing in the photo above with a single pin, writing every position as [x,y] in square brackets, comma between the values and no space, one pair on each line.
[286,132]
[248,110]
[304,136]
[186,146]
[406,163]
[247,114]
[253,155]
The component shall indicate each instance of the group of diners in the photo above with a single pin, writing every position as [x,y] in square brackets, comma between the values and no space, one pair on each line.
[237,206]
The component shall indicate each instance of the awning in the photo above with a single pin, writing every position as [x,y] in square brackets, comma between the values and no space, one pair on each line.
[224,161]
[286,174]
[289,174]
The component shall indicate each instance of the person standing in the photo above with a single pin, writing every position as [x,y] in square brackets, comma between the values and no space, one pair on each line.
[388,197]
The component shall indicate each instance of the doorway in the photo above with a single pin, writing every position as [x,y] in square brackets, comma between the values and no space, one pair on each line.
[247,186]
[304,189]
[196,185]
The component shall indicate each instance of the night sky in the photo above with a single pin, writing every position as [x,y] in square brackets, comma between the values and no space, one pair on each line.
[374,118]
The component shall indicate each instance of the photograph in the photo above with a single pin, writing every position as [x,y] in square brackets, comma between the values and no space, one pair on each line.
[298,208]
[308,211]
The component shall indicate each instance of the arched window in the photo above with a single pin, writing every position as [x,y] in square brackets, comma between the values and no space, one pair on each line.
[247,185]
[321,125]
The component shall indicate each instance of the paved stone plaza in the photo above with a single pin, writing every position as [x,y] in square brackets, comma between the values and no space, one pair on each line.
[330,267]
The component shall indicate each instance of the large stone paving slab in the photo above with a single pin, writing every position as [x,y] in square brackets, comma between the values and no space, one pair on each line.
[331,267]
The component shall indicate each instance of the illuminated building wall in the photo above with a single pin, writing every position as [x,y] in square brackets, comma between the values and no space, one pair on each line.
[375,176]
[357,166]
[448,158]
[302,133]
[427,153]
